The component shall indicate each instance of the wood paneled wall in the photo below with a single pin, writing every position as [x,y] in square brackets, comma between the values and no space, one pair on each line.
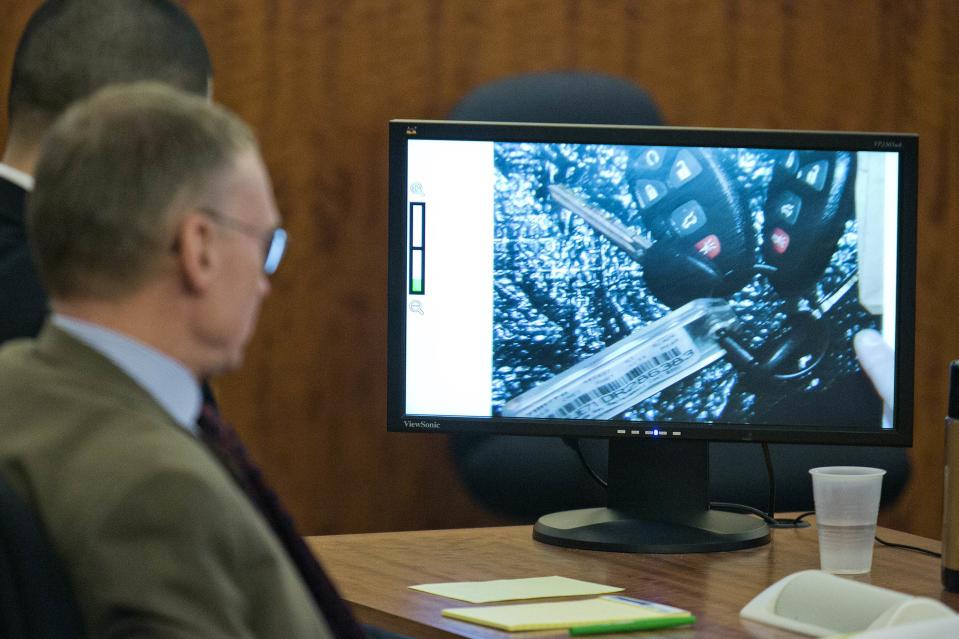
[319,81]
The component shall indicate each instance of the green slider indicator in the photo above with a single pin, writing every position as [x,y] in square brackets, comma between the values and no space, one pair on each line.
[417,244]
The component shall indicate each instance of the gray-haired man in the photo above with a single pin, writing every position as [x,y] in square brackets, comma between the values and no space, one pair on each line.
[155,229]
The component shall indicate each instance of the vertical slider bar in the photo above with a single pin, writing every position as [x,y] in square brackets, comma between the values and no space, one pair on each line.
[417,247]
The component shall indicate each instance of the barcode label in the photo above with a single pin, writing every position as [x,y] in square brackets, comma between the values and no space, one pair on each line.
[619,384]
[609,393]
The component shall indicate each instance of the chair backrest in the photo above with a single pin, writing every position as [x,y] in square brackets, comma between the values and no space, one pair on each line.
[36,600]
[568,97]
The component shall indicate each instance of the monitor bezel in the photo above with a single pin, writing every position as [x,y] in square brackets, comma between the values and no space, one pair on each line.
[401,131]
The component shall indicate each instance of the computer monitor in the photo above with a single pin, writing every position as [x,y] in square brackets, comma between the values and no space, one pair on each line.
[661,287]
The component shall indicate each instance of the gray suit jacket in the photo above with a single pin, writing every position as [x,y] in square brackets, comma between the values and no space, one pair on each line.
[156,537]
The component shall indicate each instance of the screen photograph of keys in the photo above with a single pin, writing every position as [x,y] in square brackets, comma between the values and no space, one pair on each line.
[682,284]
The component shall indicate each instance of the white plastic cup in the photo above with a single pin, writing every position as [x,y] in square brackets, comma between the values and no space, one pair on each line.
[847,506]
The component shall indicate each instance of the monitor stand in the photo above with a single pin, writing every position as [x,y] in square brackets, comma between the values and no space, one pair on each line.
[658,503]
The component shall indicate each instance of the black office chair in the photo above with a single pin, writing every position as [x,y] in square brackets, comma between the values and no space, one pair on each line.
[525,477]
[36,601]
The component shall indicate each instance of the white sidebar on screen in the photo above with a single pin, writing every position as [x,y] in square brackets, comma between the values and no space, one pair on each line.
[877,217]
[449,329]
[890,244]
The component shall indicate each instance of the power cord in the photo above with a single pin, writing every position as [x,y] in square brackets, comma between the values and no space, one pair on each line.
[573,443]
[931,553]
[770,516]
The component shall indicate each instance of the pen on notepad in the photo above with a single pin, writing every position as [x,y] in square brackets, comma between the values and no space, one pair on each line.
[629,626]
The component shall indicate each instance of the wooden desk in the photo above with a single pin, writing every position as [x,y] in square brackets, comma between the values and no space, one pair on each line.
[373,572]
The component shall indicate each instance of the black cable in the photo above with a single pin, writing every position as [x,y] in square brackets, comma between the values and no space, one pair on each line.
[573,443]
[771,478]
[743,508]
[931,553]
[772,481]
[772,522]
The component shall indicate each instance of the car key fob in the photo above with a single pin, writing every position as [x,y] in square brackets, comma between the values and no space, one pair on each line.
[811,196]
[696,216]
[676,275]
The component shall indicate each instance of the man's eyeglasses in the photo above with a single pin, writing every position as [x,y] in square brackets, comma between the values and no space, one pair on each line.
[274,240]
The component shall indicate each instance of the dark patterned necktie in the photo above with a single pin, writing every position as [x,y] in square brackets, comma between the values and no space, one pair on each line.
[225,443]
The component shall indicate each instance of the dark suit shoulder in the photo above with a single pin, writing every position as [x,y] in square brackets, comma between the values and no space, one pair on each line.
[23,301]
[13,200]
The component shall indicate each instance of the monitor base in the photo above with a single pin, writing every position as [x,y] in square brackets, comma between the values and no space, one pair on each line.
[615,530]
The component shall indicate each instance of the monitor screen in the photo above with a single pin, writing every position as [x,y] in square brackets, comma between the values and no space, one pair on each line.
[652,283]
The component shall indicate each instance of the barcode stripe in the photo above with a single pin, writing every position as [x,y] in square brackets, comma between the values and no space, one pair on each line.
[611,387]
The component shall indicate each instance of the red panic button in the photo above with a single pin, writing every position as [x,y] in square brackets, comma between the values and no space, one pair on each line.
[709,246]
[780,240]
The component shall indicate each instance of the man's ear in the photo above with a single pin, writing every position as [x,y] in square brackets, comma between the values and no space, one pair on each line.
[195,251]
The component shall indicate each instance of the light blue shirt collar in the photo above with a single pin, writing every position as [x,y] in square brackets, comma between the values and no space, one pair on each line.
[168,382]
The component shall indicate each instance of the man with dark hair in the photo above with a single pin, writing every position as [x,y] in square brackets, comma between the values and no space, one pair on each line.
[155,230]
[69,50]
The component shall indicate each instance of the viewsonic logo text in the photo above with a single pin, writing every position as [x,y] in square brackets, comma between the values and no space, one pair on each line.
[411,424]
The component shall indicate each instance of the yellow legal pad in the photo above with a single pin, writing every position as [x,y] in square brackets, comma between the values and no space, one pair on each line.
[513,589]
[563,614]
